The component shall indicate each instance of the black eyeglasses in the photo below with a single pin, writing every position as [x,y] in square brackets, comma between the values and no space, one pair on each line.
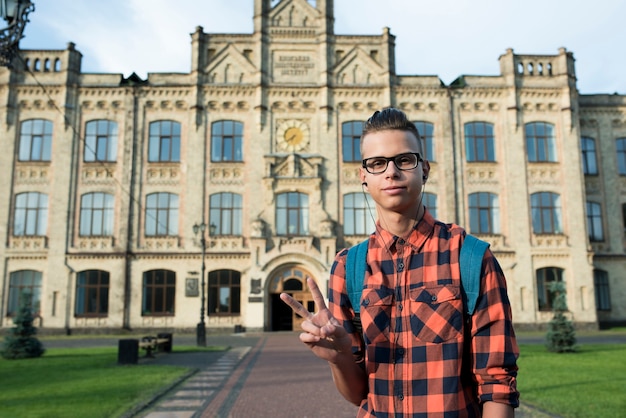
[404,162]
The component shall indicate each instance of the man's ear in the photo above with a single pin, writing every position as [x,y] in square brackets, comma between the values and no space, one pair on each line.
[425,168]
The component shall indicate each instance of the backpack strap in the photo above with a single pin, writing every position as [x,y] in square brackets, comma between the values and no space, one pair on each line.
[356,263]
[471,261]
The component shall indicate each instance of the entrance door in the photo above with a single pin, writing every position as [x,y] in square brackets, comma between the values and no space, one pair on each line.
[293,282]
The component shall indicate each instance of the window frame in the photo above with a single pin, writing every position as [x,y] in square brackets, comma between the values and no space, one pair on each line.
[357,214]
[84,289]
[595,226]
[151,292]
[545,298]
[36,143]
[100,141]
[227,141]
[427,132]
[227,219]
[218,281]
[484,213]
[16,290]
[25,213]
[620,150]
[602,290]
[300,210]
[351,141]
[89,215]
[157,214]
[164,141]
[589,156]
[479,142]
[551,212]
[540,138]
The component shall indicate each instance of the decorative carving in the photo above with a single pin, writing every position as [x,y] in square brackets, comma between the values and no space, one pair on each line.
[228,244]
[95,243]
[327,227]
[162,243]
[257,228]
[33,243]
[255,286]
[222,174]
[163,174]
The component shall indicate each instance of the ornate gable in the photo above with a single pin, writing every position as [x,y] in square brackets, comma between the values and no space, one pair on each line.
[294,13]
[230,66]
[358,68]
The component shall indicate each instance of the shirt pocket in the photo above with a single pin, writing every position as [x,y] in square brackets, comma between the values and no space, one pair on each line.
[376,306]
[436,313]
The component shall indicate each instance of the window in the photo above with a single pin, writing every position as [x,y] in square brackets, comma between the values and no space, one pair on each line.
[96,214]
[545,276]
[484,213]
[164,141]
[100,141]
[31,214]
[226,141]
[588,147]
[621,156]
[351,141]
[226,213]
[426,130]
[20,282]
[479,144]
[594,221]
[35,140]
[624,217]
[430,201]
[161,214]
[540,142]
[359,210]
[292,214]
[224,293]
[546,213]
[92,293]
[603,291]
[159,292]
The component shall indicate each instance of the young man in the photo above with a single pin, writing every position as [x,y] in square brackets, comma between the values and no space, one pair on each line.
[418,354]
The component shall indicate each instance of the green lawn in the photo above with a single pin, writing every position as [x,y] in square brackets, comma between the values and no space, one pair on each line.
[80,383]
[589,383]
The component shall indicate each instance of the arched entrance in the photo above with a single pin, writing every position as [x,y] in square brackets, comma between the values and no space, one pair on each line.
[291,280]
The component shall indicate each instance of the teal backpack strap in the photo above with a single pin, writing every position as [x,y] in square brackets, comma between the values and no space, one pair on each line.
[471,261]
[356,263]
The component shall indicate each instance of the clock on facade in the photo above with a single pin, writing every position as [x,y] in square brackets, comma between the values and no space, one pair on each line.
[292,135]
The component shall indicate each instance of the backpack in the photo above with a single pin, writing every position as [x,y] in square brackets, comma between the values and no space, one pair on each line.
[470,260]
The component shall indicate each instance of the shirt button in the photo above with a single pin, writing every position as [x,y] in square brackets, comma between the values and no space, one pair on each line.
[400,267]
[400,352]
[434,298]
[401,241]
[400,307]
[401,396]
[366,302]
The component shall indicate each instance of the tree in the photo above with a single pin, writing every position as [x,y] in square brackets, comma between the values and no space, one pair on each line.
[21,342]
[561,336]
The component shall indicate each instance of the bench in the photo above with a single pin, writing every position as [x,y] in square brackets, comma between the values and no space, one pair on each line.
[128,349]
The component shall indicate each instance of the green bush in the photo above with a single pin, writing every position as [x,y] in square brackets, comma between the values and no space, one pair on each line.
[21,341]
[561,336]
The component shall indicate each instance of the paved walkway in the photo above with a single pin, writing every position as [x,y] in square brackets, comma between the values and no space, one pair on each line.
[263,375]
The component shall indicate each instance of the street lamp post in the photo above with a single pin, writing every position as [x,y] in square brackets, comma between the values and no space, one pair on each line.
[201,327]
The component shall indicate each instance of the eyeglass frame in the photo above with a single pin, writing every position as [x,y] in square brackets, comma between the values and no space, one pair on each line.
[389,159]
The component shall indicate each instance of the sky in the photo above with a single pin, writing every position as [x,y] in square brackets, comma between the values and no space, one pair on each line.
[447,38]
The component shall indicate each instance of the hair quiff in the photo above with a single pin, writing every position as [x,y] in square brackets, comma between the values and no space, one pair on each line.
[390,119]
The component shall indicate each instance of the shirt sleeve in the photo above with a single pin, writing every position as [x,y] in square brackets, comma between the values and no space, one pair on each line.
[494,346]
[340,306]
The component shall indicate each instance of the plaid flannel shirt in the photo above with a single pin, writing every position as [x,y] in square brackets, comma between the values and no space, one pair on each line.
[417,360]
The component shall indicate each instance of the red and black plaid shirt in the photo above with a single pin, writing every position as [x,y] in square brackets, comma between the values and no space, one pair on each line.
[423,356]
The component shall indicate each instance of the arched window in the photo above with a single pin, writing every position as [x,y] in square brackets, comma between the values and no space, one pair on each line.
[479,142]
[544,277]
[426,131]
[35,140]
[546,213]
[226,213]
[161,214]
[224,292]
[100,141]
[351,141]
[540,142]
[21,282]
[96,214]
[484,213]
[359,211]
[159,293]
[227,141]
[292,214]
[31,214]
[589,160]
[92,293]
[164,141]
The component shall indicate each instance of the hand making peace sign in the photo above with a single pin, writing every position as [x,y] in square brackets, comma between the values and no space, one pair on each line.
[323,333]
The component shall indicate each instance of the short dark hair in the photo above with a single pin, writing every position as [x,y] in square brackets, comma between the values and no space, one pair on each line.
[390,119]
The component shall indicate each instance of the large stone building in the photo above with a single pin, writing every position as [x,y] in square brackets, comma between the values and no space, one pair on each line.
[104,177]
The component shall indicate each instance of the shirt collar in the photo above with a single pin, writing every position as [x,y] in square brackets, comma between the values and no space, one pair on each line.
[418,236]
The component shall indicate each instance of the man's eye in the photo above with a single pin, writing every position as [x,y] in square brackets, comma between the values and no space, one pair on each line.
[377,163]
[404,160]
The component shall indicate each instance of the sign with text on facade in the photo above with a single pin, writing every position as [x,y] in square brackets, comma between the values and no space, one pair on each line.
[293,66]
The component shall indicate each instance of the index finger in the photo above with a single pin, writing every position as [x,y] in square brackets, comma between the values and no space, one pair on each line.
[296,306]
[317,294]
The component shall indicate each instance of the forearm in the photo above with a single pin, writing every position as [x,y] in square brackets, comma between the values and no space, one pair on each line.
[497,410]
[350,379]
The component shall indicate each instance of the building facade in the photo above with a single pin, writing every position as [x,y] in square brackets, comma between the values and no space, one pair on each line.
[126,200]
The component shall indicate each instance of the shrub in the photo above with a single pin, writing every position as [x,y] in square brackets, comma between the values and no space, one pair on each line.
[561,336]
[21,342]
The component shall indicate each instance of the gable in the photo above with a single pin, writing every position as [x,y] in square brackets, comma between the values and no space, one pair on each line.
[230,66]
[294,13]
[358,68]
